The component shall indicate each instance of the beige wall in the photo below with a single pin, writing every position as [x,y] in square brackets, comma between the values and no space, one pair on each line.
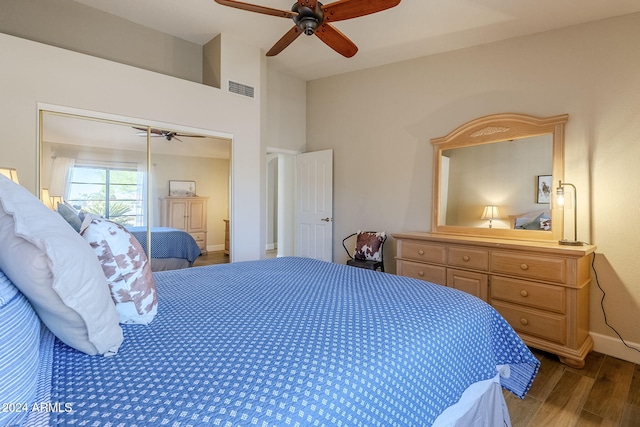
[212,180]
[75,26]
[382,120]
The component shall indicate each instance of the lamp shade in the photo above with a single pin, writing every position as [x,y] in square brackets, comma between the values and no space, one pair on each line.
[55,201]
[490,212]
[10,173]
[46,199]
[50,201]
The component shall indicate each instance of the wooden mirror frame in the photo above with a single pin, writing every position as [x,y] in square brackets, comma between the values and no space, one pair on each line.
[498,128]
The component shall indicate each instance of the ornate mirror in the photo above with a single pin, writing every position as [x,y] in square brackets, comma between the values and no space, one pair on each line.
[494,176]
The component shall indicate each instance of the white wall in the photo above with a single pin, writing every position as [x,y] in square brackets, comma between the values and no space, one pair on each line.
[382,120]
[35,73]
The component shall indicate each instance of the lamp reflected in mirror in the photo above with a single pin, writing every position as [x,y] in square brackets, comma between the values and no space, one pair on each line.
[10,173]
[49,201]
[563,204]
[490,212]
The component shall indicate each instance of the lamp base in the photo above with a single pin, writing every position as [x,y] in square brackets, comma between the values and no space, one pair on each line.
[570,242]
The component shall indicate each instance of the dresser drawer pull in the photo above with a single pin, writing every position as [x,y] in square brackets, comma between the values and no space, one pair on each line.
[524,321]
[420,252]
[524,267]
[421,273]
[466,258]
[524,293]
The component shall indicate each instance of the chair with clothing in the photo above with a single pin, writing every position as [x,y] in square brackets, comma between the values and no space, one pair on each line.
[368,251]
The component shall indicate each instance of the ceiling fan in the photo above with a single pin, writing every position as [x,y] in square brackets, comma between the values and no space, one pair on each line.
[312,17]
[168,135]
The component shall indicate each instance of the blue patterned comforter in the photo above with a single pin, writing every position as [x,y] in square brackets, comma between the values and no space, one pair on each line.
[292,341]
[168,242]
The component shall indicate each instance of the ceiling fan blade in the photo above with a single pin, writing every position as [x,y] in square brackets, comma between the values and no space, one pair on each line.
[285,41]
[347,9]
[143,131]
[337,41]
[256,8]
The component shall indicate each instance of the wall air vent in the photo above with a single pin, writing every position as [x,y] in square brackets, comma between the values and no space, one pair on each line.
[241,89]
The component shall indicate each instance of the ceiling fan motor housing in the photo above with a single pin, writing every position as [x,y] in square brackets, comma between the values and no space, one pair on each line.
[308,20]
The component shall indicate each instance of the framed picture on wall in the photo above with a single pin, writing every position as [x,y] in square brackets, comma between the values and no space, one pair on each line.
[544,188]
[182,188]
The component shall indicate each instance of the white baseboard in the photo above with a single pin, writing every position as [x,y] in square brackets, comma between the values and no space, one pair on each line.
[215,248]
[272,246]
[612,346]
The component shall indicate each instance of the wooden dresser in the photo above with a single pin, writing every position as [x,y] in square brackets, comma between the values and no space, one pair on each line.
[226,237]
[541,288]
[188,214]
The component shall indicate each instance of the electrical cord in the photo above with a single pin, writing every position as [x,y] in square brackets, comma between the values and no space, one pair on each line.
[606,321]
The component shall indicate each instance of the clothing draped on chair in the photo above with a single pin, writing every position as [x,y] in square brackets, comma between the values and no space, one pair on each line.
[368,252]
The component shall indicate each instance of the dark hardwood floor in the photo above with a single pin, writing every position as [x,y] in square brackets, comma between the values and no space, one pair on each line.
[606,392]
[218,257]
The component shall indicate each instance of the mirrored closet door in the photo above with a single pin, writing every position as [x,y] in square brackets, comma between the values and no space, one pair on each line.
[124,170]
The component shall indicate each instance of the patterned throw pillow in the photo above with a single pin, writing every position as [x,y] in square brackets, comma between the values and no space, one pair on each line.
[126,268]
[70,215]
[369,245]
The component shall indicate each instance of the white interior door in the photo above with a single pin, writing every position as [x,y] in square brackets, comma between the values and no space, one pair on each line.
[314,205]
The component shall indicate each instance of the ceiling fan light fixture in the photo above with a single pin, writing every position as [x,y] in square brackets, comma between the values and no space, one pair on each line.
[308,25]
[308,20]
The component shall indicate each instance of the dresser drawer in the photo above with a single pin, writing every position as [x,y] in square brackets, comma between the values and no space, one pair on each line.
[427,272]
[470,282]
[536,323]
[476,259]
[200,238]
[426,252]
[537,295]
[551,269]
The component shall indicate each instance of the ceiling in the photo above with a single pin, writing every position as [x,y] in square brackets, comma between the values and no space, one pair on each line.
[412,29]
[96,134]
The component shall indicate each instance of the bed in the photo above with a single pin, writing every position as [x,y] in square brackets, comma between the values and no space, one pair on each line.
[171,249]
[536,220]
[285,341]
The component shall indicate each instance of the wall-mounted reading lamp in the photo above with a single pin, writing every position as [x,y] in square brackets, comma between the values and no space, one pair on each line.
[10,173]
[490,213]
[561,203]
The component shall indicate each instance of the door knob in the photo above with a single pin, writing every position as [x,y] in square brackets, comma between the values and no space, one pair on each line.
[326,219]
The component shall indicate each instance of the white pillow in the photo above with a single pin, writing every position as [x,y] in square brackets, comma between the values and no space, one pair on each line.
[126,268]
[57,271]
